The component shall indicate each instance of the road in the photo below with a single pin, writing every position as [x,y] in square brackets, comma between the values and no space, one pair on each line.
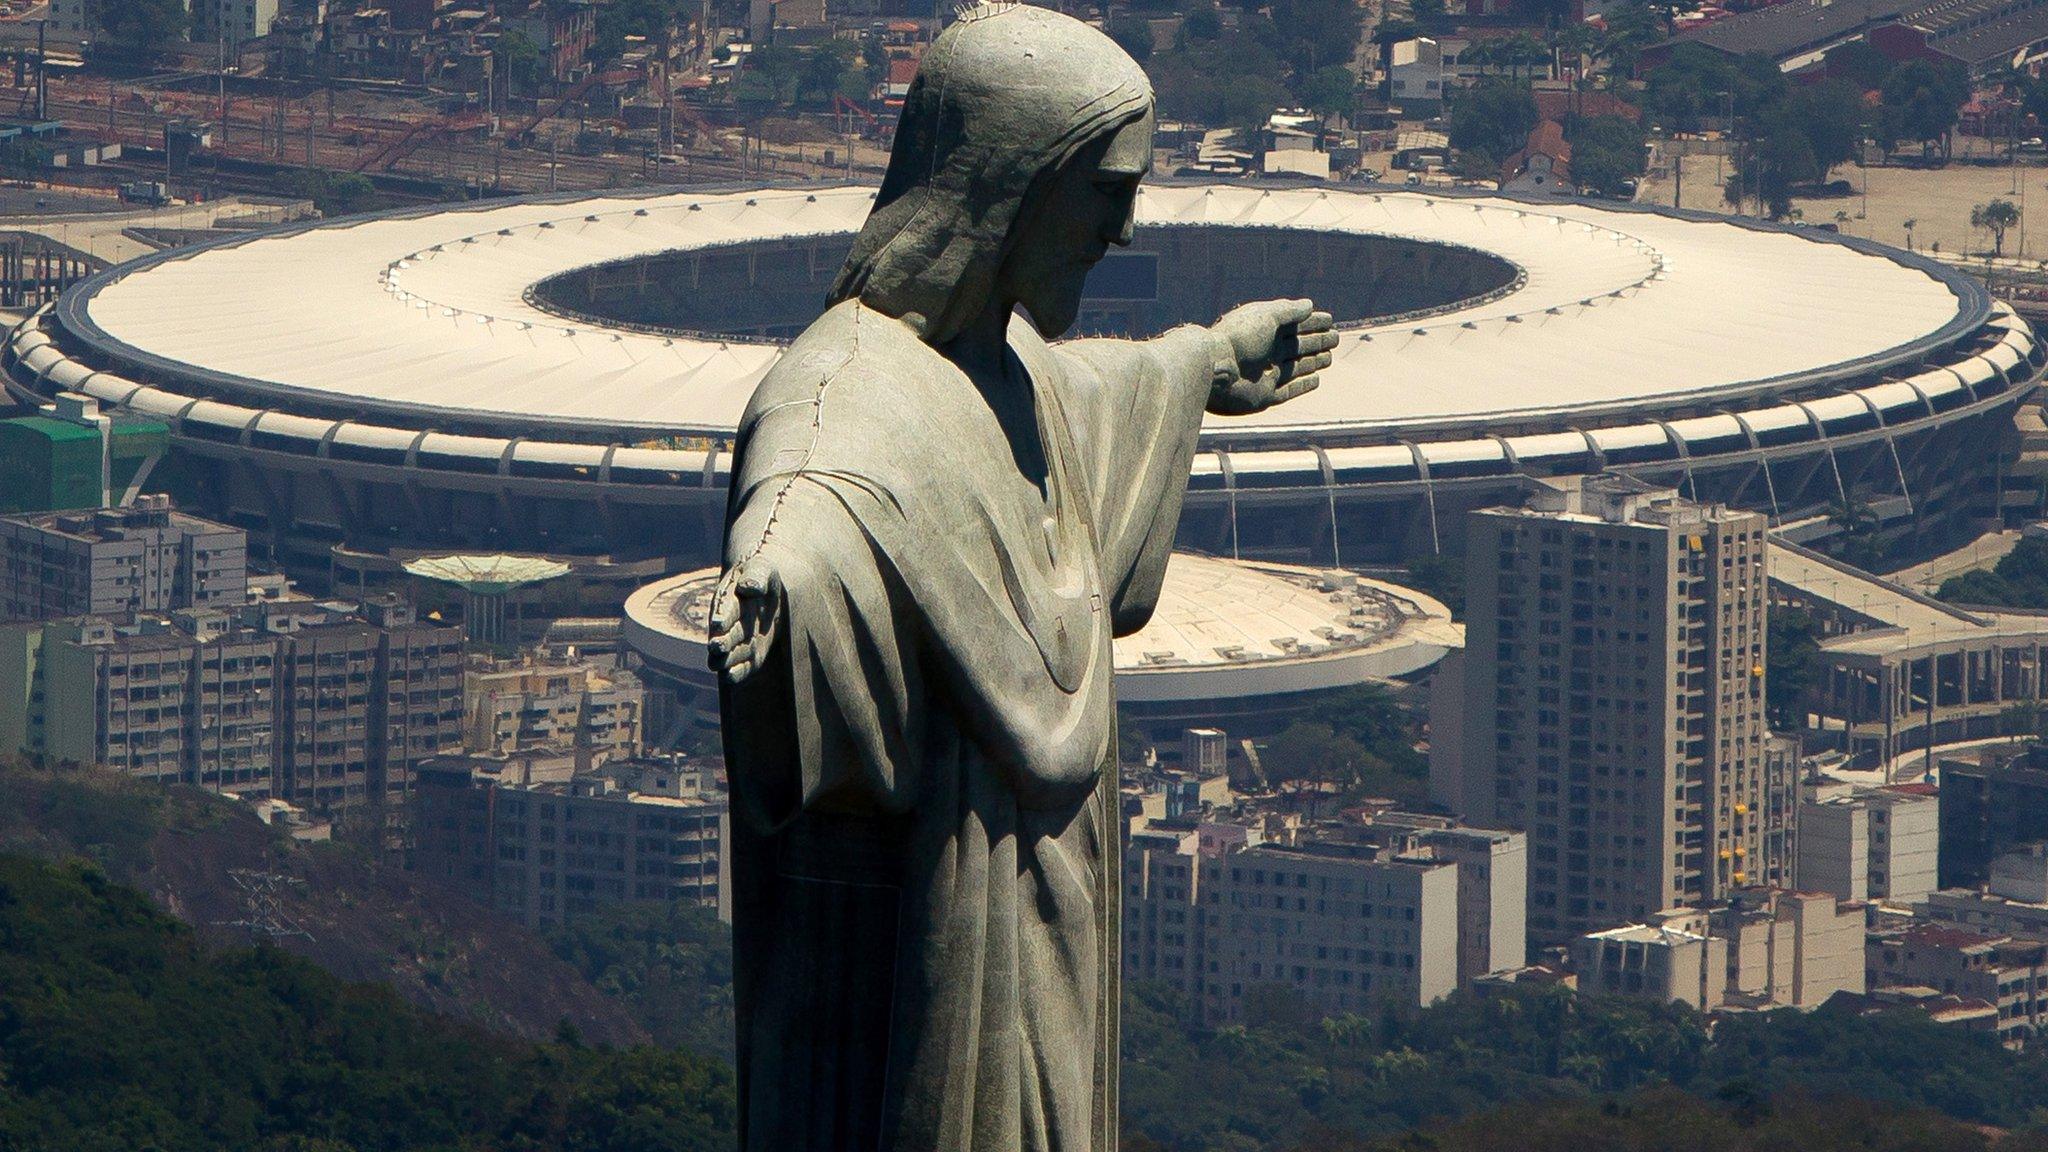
[351,131]
[100,235]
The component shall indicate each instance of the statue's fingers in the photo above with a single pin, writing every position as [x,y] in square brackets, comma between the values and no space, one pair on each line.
[1315,322]
[1310,343]
[1299,386]
[739,670]
[1308,365]
[1293,313]
[724,643]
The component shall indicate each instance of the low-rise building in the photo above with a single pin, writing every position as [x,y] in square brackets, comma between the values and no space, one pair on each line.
[2009,973]
[1675,958]
[1790,949]
[1875,844]
[2013,902]
[1415,75]
[1990,805]
[548,845]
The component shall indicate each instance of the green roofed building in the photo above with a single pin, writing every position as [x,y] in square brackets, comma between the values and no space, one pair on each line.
[50,465]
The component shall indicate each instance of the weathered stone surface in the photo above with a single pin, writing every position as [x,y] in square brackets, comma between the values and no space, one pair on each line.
[938,521]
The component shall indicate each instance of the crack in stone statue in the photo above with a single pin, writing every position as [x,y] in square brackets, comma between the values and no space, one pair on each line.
[937,523]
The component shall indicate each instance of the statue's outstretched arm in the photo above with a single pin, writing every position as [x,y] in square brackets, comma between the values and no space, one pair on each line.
[1276,347]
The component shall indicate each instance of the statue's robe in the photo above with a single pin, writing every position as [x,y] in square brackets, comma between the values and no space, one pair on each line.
[925,848]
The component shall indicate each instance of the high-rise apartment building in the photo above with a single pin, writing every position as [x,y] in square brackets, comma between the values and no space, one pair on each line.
[328,706]
[367,696]
[1614,702]
[142,559]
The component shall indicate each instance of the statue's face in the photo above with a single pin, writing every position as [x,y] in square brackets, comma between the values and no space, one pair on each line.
[1087,207]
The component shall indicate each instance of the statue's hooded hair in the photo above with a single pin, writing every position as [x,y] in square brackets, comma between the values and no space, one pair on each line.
[1002,99]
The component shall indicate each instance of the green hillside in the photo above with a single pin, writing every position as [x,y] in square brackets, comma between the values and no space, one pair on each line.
[120,1032]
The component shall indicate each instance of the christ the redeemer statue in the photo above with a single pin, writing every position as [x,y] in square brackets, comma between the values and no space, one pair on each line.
[937,523]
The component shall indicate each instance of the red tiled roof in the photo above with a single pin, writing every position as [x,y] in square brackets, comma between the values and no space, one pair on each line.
[1936,936]
[1546,139]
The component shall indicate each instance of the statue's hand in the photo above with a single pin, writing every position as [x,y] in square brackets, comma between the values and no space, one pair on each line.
[746,615]
[1278,347]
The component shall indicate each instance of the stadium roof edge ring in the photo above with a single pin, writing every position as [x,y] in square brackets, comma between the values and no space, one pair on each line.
[1630,335]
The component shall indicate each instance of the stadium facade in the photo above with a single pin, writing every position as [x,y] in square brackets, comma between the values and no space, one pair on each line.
[1243,645]
[563,375]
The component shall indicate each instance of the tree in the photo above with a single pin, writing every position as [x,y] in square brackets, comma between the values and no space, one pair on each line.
[1773,165]
[1432,15]
[1315,33]
[832,69]
[1493,116]
[772,75]
[1995,217]
[1132,33]
[1859,63]
[1202,22]
[1574,42]
[623,18]
[338,193]
[1518,52]
[1830,115]
[1792,656]
[1329,91]
[1632,27]
[519,60]
[1395,31]
[1921,102]
[142,27]
[1310,757]
[1607,152]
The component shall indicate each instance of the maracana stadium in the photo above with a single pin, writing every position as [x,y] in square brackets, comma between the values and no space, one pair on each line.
[562,375]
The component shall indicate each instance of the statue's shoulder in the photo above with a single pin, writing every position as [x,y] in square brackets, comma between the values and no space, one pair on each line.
[848,349]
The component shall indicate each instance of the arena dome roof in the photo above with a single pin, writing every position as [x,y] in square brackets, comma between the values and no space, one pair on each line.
[429,317]
[1223,629]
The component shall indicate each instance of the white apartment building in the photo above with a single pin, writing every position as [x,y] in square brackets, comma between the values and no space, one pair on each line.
[1415,73]
[1790,949]
[1674,959]
[1876,844]
[1399,910]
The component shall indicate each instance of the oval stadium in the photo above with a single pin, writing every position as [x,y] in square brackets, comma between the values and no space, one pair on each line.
[562,375]
[1243,645]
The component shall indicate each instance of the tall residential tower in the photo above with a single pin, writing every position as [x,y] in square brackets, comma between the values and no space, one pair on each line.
[1614,702]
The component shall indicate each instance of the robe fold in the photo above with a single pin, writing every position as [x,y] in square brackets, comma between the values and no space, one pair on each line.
[926,838]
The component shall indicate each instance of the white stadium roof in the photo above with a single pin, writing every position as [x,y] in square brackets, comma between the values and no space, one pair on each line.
[1222,629]
[429,312]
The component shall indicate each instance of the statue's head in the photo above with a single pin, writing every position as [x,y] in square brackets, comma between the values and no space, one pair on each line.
[1017,163]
